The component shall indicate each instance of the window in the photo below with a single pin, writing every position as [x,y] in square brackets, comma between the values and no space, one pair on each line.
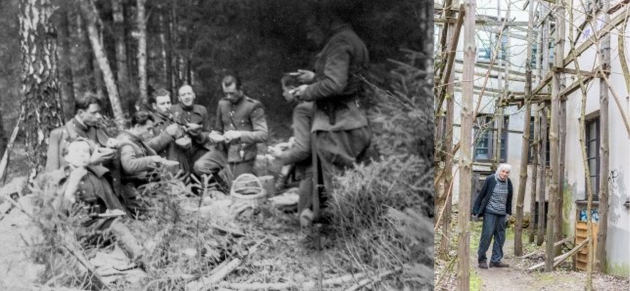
[531,139]
[592,154]
[485,128]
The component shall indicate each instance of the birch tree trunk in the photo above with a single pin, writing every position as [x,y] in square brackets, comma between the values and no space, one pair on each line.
[463,269]
[121,51]
[142,50]
[518,231]
[65,65]
[40,83]
[91,15]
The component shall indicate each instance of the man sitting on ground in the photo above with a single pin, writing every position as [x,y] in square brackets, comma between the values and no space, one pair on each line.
[137,159]
[85,124]
[176,149]
[90,186]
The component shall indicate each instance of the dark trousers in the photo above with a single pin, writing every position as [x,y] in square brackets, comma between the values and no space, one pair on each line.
[493,226]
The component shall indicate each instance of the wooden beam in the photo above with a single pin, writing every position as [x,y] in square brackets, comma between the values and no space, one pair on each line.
[575,86]
[618,20]
[543,83]
[617,6]
[559,243]
[495,67]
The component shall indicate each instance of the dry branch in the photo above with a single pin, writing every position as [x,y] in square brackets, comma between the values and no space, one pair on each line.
[367,281]
[205,283]
[5,157]
[559,259]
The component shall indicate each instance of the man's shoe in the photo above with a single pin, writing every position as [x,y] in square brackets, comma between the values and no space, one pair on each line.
[498,265]
[483,265]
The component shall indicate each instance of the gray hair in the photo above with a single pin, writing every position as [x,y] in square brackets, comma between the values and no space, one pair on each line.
[503,167]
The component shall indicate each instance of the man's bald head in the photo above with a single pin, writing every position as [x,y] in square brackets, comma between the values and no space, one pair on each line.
[186,96]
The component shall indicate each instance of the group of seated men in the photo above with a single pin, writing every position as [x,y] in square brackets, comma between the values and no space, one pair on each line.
[177,132]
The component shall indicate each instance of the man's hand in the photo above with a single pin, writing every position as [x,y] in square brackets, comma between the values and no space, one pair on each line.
[172,129]
[299,92]
[73,183]
[99,157]
[306,76]
[274,151]
[232,135]
[216,137]
[112,143]
[193,127]
[156,159]
[475,218]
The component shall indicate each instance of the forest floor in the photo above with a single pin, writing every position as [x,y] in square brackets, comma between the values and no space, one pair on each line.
[517,277]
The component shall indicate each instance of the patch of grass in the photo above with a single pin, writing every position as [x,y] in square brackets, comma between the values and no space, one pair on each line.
[475,281]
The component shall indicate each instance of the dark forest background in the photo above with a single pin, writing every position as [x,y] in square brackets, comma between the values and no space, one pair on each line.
[197,42]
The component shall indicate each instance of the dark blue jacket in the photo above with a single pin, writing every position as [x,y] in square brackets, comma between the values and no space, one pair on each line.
[484,196]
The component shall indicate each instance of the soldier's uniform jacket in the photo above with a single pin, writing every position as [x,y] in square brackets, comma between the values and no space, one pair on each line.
[95,187]
[134,156]
[169,150]
[198,115]
[337,85]
[300,153]
[247,116]
[71,130]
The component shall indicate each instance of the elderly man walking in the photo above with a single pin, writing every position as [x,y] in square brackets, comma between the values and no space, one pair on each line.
[494,203]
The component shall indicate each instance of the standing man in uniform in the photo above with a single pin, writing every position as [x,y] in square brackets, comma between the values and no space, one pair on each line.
[241,123]
[340,126]
[494,203]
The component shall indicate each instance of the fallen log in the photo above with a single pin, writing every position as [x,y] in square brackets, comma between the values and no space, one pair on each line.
[568,239]
[205,283]
[559,259]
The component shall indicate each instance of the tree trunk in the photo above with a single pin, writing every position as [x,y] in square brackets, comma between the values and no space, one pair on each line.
[163,47]
[518,231]
[542,165]
[463,271]
[90,13]
[532,195]
[142,50]
[81,65]
[65,65]
[554,156]
[121,52]
[600,252]
[3,136]
[40,83]
[172,38]
[448,165]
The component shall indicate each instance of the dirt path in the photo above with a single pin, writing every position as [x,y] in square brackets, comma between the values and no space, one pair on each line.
[517,278]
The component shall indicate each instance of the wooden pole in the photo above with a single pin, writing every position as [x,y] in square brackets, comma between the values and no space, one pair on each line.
[582,140]
[604,54]
[518,231]
[553,132]
[535,146]
[463,275]
[448,160]
[542,165]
